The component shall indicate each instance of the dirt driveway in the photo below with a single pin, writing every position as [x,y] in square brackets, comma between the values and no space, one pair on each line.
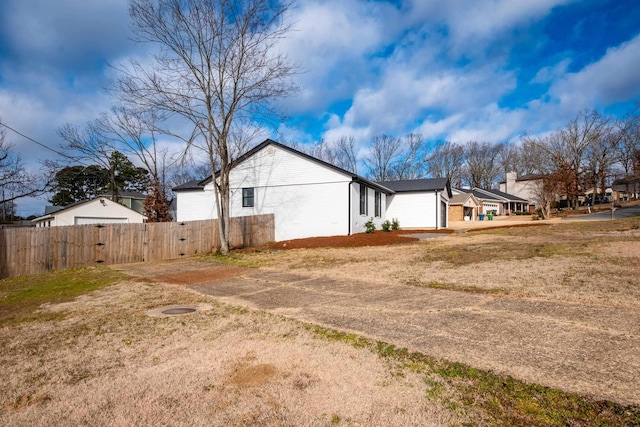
[587,349]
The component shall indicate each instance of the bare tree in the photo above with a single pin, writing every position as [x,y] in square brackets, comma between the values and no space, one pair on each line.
[534,158]
[509,158]
[384,150]
[15,181]
[345,153]
[627,151]
[340,153]
[91,145]
[600,157]
[481,168]
[410,164]
[445,161]
[320,150]
[218,67]
[568,148]
[136,132]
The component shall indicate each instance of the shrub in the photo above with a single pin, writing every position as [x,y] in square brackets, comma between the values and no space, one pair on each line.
[369,226]
[386,226]
[395,224]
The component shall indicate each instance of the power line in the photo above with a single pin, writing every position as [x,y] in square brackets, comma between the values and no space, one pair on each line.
[36,142]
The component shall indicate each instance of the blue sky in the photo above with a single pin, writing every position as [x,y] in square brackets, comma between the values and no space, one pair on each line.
[461,70]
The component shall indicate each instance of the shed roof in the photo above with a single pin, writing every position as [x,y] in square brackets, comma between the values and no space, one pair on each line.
[461,199]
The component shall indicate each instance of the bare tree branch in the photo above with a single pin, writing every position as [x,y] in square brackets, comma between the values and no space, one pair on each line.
[218,67]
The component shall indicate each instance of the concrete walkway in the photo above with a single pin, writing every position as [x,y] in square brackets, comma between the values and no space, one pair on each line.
[584,349]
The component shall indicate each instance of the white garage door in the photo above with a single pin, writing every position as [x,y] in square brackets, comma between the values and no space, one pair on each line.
[82,220]
[490,207]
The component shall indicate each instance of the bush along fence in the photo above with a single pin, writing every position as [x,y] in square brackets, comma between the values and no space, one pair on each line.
[37,250]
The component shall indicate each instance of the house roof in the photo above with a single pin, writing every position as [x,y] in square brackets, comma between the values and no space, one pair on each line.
[410,185]
[52,209]
[497,195]
[479,194]
[528,177]
[461,199]
[507,196]
[127,193]
[198,185]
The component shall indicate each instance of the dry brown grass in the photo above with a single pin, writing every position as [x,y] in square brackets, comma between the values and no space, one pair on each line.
[107,362]
[103,360]
[590,262]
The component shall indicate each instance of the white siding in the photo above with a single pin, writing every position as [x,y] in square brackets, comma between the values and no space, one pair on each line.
[300,210]
[357,219]
[83,220]
[307,198]
[274,166]
[414,210]
[196,205]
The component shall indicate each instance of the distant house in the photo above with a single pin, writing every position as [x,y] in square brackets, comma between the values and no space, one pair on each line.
[496,202]
[419,203]
[624,192]
[464,207]
[526,187]
[310,197]
[100,210]
[489,203]
[131,199]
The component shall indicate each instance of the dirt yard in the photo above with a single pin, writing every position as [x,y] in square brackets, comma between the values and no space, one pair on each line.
[556,305]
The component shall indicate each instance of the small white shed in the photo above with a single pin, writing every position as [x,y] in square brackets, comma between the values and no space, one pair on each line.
[96,211]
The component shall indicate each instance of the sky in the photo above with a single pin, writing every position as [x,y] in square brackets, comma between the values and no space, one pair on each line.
[457,70]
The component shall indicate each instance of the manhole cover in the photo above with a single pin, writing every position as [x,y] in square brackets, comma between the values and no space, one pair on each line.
[178,310]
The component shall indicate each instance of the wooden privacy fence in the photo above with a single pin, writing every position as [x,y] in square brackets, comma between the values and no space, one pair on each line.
[38,250]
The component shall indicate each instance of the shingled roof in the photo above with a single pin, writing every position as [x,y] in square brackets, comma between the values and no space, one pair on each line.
[411,185]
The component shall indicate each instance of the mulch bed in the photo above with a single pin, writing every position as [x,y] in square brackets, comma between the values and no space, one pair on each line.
[377,238]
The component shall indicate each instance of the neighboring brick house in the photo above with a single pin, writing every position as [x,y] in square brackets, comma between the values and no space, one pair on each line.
[463,207]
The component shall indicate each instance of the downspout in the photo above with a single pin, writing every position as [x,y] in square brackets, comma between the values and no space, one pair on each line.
[349,213]
[437,208]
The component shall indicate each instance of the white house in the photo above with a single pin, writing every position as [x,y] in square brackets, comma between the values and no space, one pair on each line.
[96,211]
[307,196]
[419,203]
[526,187]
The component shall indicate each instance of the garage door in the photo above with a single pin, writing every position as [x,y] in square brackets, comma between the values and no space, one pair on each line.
[490,207]
[82,220]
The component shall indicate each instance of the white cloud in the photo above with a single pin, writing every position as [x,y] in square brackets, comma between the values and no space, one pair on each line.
[469,22]
[42,33]
[550,74]
[332,43]
[439,129]
[614,78]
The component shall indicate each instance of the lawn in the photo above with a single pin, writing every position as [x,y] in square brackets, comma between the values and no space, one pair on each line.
[81,347]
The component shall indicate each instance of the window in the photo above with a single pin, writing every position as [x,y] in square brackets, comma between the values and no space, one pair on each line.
[247,197]
[364,208]
[378,207]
